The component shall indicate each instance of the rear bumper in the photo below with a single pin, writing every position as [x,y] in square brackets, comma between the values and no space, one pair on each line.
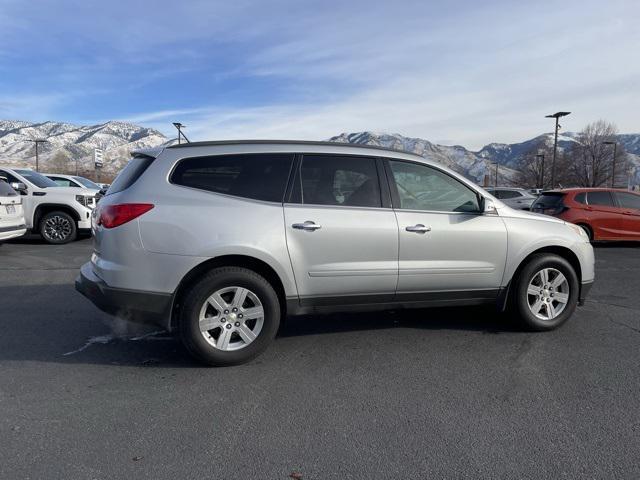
[133,305]
[13,231]
[585,288]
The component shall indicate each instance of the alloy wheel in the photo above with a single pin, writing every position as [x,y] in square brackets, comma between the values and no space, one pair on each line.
[231,318]
[548,293]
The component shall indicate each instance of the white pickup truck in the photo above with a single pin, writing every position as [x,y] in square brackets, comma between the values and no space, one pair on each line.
[57,213]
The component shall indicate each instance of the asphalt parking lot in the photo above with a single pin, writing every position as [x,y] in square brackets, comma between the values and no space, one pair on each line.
[455,393]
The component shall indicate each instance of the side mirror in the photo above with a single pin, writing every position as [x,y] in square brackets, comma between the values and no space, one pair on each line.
[488,207]
[19,187]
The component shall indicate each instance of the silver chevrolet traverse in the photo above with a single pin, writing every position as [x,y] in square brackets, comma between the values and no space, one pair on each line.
[220,240]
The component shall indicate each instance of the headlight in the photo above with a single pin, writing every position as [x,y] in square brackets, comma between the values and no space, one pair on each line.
[579,230]
[82,200]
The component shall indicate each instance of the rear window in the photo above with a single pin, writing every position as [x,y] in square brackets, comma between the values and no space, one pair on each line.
[260,176]
[130,173]
[600,198]
[628,200]
[6,190]
[548,200]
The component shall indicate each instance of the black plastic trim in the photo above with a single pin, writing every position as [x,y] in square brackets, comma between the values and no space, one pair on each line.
[12,228]
[133,305]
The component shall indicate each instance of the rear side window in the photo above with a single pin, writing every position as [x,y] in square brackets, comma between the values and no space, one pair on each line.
[261,176]
[337,180]
[628,200]
[6,190]
[600,198]
[130,173]
[581,198]
[548,200]
[510,194]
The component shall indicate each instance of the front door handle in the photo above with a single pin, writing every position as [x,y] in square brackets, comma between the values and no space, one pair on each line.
[309,226]
[419,228]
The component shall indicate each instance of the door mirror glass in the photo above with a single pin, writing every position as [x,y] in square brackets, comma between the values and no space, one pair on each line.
[19,187]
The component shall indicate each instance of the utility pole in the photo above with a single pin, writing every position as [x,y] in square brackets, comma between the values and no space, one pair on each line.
[556,115]
[541,156]
[181,135]
[613,166]
[37,142]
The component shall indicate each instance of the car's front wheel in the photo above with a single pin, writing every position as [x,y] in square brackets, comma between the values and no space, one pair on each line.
[58,228]
[546,292]
[229,317]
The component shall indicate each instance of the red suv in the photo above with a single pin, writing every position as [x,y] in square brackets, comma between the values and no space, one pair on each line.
[605,213]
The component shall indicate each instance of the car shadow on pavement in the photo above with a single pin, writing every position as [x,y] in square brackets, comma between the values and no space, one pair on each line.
[53,323]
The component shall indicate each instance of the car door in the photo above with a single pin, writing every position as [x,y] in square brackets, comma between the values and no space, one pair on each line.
[630,220]
[604,216]
[448,248]
[342,238]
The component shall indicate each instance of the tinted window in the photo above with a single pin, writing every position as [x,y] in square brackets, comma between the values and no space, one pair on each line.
[337,180]
[628,200]
[257,176]
[548,200]
[581,198]
[510,194]
[421,187]
[63,182]
[599,198]
[130,173]
[86,183]
[6,190]
[37,179]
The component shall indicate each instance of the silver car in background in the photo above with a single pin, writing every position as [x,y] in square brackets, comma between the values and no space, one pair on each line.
[517,198]
[221,240]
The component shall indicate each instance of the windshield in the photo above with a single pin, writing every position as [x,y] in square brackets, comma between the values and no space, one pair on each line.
[37,179]
[87,183]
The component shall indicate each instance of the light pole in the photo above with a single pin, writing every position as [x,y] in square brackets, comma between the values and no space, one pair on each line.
[613,166]
[556,115]
[181,135]
[37,142]
[541,156]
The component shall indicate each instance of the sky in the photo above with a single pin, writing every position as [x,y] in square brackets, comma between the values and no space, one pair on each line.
[467,72]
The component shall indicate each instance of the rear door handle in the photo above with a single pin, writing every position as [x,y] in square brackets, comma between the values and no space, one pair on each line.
[419,228]
[309,226]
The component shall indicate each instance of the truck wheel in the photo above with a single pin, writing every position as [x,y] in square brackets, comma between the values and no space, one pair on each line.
[546,292]
[229,316]
[58,228]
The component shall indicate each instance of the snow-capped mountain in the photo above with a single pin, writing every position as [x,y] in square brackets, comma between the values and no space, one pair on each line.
[73,143]
[458,158]
[478,165]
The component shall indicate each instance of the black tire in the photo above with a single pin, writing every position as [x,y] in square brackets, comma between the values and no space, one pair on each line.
[587,229]
[215,280]
[521,298]
[58,228]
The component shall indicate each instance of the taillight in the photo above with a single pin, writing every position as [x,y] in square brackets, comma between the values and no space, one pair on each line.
[110,216]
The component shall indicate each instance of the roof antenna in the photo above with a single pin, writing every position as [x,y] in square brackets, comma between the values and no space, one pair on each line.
[181,135]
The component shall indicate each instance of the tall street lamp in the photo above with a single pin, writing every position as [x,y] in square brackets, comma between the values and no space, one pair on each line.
[541,156]
[38,142]
[613,168]
[556,115]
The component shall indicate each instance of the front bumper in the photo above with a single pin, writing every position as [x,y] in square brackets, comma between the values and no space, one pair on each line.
[133,305]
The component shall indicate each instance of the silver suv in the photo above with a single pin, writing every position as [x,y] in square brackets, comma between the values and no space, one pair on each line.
[221,240]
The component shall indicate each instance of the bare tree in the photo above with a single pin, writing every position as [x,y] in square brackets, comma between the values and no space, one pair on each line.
[591,159]
[60,163]
[535,167]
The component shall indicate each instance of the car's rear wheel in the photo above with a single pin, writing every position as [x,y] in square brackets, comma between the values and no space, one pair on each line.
[229,317]
[58,228]
[546,292]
